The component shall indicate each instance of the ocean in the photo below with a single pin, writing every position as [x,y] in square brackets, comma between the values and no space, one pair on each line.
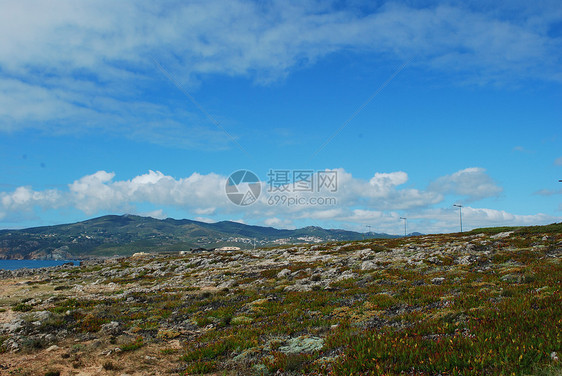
[32,264]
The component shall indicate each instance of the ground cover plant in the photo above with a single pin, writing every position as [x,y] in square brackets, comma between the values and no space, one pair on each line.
[485,302]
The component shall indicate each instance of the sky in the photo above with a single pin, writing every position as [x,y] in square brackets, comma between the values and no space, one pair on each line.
[346,114]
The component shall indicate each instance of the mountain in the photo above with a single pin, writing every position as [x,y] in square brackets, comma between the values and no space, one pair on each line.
[126,234]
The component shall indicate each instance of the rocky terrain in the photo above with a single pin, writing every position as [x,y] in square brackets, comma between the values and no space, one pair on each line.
[485,302]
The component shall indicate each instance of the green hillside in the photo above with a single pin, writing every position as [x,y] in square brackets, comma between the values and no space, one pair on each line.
[127,234]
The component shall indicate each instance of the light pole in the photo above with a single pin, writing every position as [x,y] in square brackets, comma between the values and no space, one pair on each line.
[460,213]
[369,227]
[405,224]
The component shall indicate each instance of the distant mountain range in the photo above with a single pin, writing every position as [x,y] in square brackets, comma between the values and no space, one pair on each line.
[127,234]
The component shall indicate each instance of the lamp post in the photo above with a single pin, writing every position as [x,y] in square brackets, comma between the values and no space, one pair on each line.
[405,224]
[460,213]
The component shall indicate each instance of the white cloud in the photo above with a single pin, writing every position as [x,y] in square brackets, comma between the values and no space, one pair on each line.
[24,198]
[98,192]
[205,195]
[156,214]
[357,203]
[548,192]
[236,37]
[522,149]
[205,211]
[77,66]
[92,193]
[381,192]
[445,220]
[473,183]
[278,222]
[73,109]
[205,220]
[433,220]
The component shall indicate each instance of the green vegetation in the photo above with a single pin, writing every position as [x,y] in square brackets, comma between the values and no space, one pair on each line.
[22,307]
[133,345]
[449,304]
[554,228]
[128,234]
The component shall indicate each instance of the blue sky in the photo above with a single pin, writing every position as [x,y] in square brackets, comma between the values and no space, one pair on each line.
[146,108]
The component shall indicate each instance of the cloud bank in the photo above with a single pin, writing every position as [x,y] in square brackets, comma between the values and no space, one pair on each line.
[379,201]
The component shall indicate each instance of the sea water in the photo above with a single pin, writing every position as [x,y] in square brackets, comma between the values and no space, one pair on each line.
[32,264]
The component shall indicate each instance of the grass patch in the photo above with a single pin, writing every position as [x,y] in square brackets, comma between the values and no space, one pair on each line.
[22,307]
[133,345]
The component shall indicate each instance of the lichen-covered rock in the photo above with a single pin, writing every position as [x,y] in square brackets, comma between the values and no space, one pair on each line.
[111,328]
[241,320]
[13,326]
[511,278]
[303,344]
[438,280]
[285,273]
[368,265]
[467,260]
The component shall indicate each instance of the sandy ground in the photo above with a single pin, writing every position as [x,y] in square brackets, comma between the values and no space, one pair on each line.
[66,359]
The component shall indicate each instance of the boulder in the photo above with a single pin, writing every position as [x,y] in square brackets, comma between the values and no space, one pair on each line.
[111,328]
[285,273]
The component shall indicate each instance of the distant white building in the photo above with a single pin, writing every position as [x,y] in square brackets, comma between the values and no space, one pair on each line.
[140,254]
[228,249]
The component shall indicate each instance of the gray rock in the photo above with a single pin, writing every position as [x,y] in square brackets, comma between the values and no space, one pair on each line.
[12,345]
[48,338]
[61,334]
[466,260]
[501,235]
[13,326]
[285,273]
[437,280]
[368,265]
[511,278]
[298,288]
[42,315]
[52,348]
[348,274]
[364,253]
[111,328]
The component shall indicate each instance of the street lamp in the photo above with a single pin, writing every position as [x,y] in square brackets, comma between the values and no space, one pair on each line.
[405,224]
[460,213]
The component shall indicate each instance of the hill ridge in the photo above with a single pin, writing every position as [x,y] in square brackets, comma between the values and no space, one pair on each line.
[129,233]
